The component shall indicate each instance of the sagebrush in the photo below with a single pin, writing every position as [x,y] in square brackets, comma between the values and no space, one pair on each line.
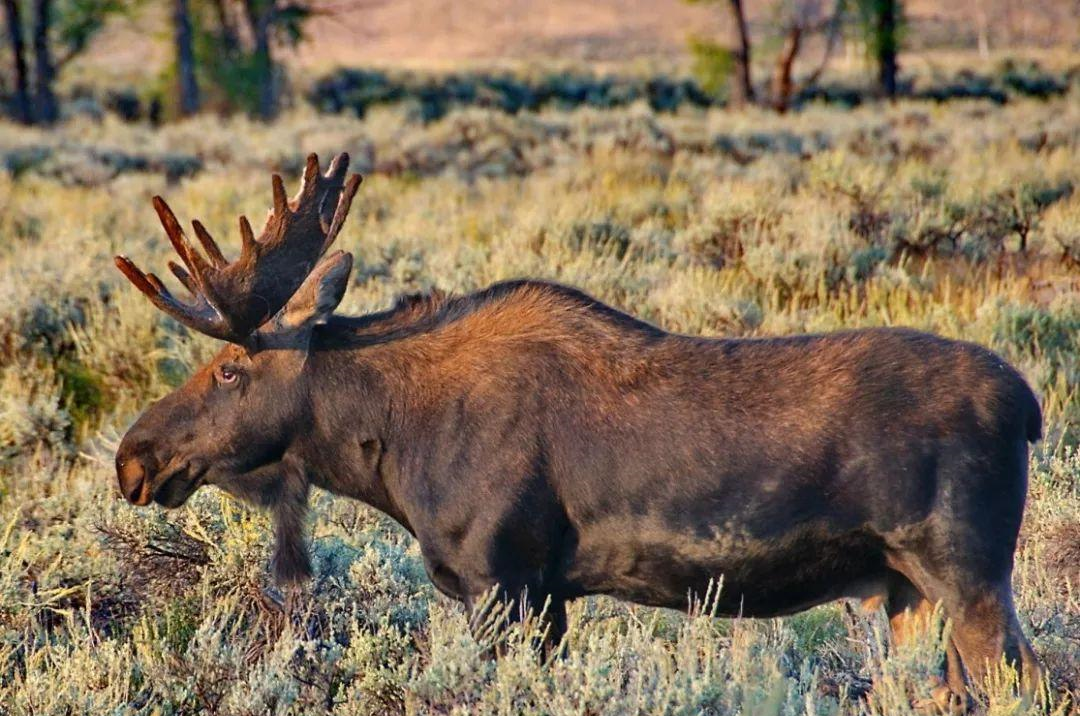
[962,220]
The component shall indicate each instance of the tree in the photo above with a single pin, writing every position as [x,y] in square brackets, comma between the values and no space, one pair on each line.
[188,86]
[732,62]
[882,22]
[60,31]
[982,29]
[46,110]
[18,49]
[783,86]
[270,20]
[797,20]
[742,87]
[235,42]
[261,17]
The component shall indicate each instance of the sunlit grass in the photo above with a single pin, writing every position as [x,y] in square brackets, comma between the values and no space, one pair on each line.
[711,223]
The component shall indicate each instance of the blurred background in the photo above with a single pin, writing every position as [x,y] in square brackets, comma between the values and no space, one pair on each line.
[161,60]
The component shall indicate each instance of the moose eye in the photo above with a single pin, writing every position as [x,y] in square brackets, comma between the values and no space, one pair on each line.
[228,375]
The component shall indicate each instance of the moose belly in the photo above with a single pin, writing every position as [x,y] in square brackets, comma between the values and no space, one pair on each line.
[758,577]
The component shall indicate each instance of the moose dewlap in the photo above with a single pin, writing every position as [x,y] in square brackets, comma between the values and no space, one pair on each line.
[534,438]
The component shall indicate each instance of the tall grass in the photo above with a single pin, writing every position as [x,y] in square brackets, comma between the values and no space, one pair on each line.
[959,220]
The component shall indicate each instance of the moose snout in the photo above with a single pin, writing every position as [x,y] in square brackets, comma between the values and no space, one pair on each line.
[134,479]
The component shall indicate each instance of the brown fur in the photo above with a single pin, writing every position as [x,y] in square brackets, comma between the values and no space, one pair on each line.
[534,438]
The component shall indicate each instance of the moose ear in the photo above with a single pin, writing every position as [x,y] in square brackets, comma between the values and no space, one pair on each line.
[319,295]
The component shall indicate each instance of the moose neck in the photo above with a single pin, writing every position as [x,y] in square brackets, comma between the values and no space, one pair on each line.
[350,432]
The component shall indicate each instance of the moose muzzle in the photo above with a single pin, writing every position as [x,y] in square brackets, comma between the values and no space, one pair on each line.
[134,479]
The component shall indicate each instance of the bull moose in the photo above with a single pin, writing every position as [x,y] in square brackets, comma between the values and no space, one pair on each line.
[531,437]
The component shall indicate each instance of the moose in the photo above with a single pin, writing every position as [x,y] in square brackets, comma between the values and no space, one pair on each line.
[540,443]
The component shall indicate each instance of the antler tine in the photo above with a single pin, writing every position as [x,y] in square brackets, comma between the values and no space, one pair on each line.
[154,281]
[217,259]
[184,277]
[310,184]
[342,210]
[338,166]
[247,237]
[281,201]
[195,263]
[203,318]
[331,184]
[136,276]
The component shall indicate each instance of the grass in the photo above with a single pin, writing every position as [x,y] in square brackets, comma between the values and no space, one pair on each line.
[962,219]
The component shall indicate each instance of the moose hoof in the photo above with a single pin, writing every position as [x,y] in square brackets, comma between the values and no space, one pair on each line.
[942,700]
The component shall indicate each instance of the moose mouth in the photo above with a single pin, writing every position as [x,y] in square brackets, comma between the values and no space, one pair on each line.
[179,485]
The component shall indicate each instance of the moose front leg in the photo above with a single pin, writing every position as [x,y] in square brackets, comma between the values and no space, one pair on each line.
[503,562]
[494,610]
[282,487]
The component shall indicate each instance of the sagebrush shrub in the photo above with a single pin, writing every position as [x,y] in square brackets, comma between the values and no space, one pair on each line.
[708,222]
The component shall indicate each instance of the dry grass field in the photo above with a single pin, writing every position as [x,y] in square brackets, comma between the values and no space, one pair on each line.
[961,219]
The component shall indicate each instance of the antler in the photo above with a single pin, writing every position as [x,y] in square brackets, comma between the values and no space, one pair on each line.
[231,300]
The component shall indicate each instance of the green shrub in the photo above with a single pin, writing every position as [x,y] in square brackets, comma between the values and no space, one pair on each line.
[713,65]
[85,395]
[1050,333]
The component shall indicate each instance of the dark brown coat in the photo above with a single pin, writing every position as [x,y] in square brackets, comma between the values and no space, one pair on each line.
[534,438]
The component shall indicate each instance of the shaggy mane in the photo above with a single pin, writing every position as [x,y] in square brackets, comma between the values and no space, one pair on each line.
[417,313]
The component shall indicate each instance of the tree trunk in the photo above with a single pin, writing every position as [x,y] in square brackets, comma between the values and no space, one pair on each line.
[46,110]
[783,86]
[185,59]
[832,34]
[888,22]
[742,88]
[260,19]
[264,62]
[18,50]
[229,36]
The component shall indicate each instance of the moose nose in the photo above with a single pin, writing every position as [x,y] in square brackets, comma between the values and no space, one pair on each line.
[134,480]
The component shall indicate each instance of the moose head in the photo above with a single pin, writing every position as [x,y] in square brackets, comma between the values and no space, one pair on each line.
[231,424]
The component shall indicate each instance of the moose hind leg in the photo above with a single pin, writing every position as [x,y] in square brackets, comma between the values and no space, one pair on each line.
[911,616]
[985,626]
[909,611]
[962,556]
